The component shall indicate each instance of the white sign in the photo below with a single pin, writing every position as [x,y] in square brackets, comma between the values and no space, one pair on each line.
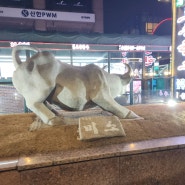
[131,48]
[46,15]
[13,44]
[80,47]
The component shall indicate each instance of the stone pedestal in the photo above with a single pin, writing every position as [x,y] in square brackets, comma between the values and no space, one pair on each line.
[152,162]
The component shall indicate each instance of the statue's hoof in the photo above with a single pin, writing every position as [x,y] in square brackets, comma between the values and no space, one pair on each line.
[58,120]
[36,124]
[132,115]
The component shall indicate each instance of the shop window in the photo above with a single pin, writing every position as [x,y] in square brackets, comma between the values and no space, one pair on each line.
[17,3]
[62,55]
[70,5]
[6,65]
[81,58]
[157,64]
[157,77]
[134,59]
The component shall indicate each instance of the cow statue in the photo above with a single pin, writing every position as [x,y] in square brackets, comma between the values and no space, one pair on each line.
[42,77]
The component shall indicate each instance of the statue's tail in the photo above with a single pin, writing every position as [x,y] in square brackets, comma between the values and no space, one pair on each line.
[15,53]
[127,77]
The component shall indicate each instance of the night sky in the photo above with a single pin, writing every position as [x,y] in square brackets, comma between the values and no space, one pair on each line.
[121,14]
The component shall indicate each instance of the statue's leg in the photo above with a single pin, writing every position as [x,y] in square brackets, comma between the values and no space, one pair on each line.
[105,100]
[47,116]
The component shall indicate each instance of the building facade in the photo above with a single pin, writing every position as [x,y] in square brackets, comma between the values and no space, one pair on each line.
[84,16]
[149,57]
[74,35]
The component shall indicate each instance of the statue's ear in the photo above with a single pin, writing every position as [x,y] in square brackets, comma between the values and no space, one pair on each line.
[30,65]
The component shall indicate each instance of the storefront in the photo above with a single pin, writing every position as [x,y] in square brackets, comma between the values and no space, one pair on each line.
[149,57]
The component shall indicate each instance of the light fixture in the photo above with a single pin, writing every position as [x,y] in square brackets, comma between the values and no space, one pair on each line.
[171,103]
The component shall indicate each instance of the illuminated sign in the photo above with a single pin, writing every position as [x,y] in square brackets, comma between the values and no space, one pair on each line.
[179,3]
[182,95]
[181,67]
[149,59]
[181,46]
[131,48]
[179,58]
[13,44]
[80,47]
[124,53]
[125,60]
[180,84]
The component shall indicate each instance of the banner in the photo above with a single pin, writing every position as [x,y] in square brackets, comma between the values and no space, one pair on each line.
[46,15]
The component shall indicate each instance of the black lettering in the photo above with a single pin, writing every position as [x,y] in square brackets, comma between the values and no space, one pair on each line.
[54,15]
[48,14]
[85,17]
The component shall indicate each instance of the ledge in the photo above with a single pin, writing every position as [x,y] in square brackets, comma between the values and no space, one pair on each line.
[72,156]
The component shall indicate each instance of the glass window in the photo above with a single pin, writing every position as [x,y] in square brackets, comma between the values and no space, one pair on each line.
[62,55]
[81,58]
[157,77]
[6,65]
[70,5]
[157,64]
[17,3]
[135,60]
[116,63]
[150,27]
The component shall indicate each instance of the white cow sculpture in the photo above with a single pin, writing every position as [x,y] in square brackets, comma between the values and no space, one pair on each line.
[42,77]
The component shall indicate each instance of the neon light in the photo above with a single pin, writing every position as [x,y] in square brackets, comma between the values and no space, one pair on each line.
[13,44]
[182,95]
[181,47]
[180,83]
[181,67]
[80,47]
[131,48]
[149,60]
[181,19]
[182,31]
[160,23]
